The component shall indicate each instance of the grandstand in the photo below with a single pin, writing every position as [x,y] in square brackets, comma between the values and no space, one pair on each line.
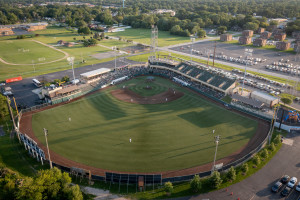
[198,73]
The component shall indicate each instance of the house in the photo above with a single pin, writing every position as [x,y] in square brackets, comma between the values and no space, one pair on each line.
[225,37]
[6,31]
[279,37]
[283,46]
[247,33]
[265,35]
[259,42]
[245,40]
[260,30]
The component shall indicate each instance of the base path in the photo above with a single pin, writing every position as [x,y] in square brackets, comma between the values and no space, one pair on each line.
[65,57]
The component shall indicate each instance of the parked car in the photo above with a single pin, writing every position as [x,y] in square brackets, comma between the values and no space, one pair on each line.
[298,187]
[285,179]
[292,182]
[286,191]
[277,186]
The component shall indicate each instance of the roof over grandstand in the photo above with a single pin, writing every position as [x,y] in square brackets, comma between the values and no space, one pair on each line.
[95,72]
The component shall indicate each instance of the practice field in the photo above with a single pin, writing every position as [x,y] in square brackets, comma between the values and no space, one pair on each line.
[144,35]
[95,130]
[27,52]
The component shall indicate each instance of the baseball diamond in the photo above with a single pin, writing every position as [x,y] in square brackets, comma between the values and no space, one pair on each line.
[169,136]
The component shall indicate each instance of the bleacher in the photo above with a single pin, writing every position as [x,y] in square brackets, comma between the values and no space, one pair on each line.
[202,73]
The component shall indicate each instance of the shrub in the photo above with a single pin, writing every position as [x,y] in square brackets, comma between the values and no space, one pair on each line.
[256,160]
[245,168]
[272,147]
[215,180]
[196,184]
[231,175]
[264,153]
[277,140]
[168,187]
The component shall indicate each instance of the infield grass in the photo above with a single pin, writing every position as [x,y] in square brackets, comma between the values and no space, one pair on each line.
[168,136]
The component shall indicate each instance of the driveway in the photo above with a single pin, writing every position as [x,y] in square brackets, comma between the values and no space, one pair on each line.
[258,186]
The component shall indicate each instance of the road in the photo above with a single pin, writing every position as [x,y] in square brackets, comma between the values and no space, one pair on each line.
[258,186]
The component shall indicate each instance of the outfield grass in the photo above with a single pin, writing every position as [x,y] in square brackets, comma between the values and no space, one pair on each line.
[27,52]
[144,35]
[168,136]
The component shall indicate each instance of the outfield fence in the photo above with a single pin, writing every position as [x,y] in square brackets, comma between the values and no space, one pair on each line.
[130,178]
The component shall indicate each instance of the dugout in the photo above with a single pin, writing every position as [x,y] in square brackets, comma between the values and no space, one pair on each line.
[94,75]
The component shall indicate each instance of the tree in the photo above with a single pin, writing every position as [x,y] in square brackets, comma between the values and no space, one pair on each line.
[221,30]
[168,187]
[231,175]
[277,140]
[81,24]
[65,79]
[196,184]
[256,160]
[264,153]
[274,22]
[286,100]
[272,147]
[215,180]
[84,30]
[245,168]
[251,26]
[3,107]
[201,33]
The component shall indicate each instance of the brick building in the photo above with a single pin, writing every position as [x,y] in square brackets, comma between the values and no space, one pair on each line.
[225,37]
[6,31]
[283,45]
[265,35]
[30,28]
[247,33]
[261,30]
[259,42]
[279,36]
[245,40]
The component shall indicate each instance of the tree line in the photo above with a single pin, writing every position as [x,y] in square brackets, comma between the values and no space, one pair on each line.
[191,15]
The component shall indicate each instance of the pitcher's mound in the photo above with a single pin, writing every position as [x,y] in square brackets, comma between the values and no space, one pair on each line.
[129,96]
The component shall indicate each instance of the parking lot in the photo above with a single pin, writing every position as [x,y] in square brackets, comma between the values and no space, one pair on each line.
[232,53]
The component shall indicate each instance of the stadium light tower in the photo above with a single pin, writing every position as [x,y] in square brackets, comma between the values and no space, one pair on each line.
[192,40]
[217,139]
[248,52]
[46,134]
[115,50]
[71,61]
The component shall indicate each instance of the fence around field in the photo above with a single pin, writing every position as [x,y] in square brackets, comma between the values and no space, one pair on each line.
[123,178]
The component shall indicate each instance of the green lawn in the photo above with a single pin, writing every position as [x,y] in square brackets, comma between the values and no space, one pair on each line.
[167,136]
[50,36]
[27,52]
[144,35]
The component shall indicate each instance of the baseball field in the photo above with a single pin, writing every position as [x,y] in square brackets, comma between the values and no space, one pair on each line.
[176,133]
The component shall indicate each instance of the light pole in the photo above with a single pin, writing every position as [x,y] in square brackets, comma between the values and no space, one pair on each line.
[276,108]
[248,52]
[192,40]
[33,66]
[115,49]
[46,134]
[217,139]
[71,61]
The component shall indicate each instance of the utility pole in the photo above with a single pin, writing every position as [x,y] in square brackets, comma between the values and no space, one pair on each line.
[46,134]
[217,139]
[214,53]
[208,52]
[71,61]
[193,40]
